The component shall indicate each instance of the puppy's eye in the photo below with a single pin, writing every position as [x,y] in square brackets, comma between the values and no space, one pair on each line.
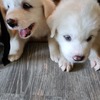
[67,37]
[89,38]
[26,6]
[8,6]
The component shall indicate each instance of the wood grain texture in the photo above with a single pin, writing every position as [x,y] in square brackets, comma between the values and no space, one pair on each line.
[35,77]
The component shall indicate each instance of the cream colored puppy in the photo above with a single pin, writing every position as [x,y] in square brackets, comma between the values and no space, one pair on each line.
[25,19]
[74,33]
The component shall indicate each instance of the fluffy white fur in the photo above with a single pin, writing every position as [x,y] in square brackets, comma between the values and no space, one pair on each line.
[37,14]
[74,32]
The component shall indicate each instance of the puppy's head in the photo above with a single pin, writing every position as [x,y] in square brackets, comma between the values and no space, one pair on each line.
[26,15]
[75,24]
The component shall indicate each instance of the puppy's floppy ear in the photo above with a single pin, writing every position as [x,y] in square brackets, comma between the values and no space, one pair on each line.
[48,6]
[52,25]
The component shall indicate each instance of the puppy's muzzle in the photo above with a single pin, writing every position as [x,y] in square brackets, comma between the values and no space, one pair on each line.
[78,58]
[12,23]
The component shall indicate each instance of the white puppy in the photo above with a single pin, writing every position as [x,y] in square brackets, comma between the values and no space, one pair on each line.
[74,33]
[25,19]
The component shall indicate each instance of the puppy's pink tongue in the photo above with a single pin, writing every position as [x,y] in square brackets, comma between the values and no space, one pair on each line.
[24,32]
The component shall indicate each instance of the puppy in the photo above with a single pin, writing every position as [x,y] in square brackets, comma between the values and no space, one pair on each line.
[74,35]
[25,19]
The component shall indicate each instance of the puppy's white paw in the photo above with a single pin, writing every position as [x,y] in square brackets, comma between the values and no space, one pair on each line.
[55,56]
[95,63]
[14,57]
[65,65]
[16,48]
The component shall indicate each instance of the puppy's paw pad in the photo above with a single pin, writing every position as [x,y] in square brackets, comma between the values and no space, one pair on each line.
[13,57]
[95,63]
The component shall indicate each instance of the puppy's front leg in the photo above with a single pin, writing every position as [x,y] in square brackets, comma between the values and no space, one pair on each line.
[95,54]
[54,50]
[94,60]
[16,48]
[56,55]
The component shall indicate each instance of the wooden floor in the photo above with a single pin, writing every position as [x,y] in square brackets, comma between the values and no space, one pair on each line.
[36,77]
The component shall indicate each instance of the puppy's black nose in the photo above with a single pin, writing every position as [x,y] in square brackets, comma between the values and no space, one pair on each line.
[78,58]
[12,23]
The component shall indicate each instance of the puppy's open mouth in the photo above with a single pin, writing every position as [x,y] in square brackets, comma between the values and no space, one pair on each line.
[26,33]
